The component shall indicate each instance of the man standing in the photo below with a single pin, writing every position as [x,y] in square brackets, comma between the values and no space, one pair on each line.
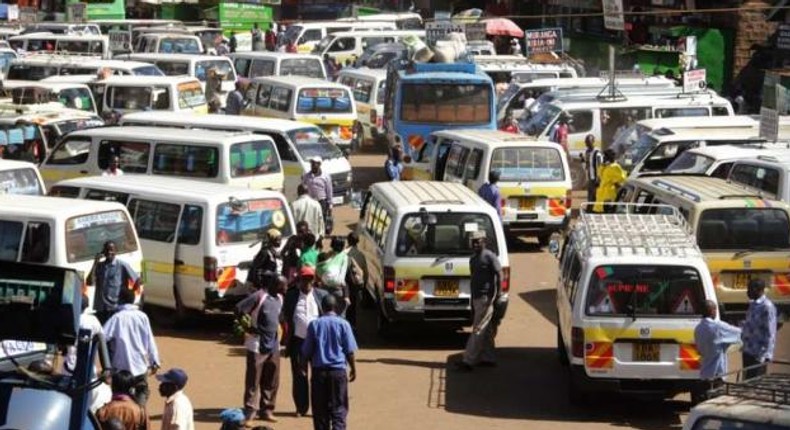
[233,43]
[132,345]
[267,328]
[759,330]
[111,276]
[591,158]
[122,405]
[329,348]
[319,186]
[356,262]
[307,209]
[486,275]
[267,260]
[490,192]
[178,413]
[712,338]
[115,167]
[393,166]
[234,103]
[561,130]
[301,307]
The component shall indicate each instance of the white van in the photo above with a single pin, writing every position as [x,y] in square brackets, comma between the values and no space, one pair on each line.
[196,66]
[240,159]
[368,88]
[65,233]
[159,93]
[769,173]
[328,105]
[349,45]
[38,67]
[631,290]
[194,235]
[306,35]
[717,161]
[415,236]
[504,68]
[90,45]
[169,43]
[403,20]
[261,64]
[20,177]
[297,142]
[120,31]
[70,95]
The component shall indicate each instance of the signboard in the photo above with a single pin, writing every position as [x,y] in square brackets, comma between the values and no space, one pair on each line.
[543,40]
[78,12]
[120,40]
[241,17]
[783,37]
[438,30]
[694,80]
[613,18]
[769,124]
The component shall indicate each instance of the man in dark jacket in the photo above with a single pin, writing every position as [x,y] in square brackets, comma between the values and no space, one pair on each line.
[301,306]
[268,259]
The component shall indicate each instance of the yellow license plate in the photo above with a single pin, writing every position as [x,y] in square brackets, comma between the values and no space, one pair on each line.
[646,352]
[446,288]
[526,203]
[741,280]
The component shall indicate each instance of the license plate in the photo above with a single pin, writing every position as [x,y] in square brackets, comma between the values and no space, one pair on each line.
[526,203]
[741,280]
[646,352]
[446,288]
[338,200]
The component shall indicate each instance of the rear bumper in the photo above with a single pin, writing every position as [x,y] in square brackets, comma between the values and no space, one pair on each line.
[537,227]
[652,387]
[462,313]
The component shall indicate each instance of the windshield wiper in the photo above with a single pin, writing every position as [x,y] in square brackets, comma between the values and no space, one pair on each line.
[746,252]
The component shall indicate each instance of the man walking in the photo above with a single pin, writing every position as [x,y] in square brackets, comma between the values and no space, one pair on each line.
[329,348]
[592,158]
[111,275]
[319,186]
[122,406]
[394,166]
[132,345]
[486,275]
[307,209]
[759,331]
[490,192]
[178,413]
[712,337]
[301,307]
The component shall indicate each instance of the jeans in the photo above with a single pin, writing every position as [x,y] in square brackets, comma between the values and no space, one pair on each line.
[326,209]
[749,361]
[329,388]
[300,388]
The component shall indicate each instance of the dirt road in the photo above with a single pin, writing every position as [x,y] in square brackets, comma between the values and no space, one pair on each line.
[408,383]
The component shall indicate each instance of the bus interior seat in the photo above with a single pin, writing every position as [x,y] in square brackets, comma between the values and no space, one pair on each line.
[465,113]
[426,113]
[446,114]
[712,233]
[447,237]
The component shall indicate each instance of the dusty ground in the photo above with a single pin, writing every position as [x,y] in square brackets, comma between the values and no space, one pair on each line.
[407,382]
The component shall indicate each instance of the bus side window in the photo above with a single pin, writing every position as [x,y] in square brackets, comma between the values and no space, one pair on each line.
[191,225]
[36,246]
[10,238]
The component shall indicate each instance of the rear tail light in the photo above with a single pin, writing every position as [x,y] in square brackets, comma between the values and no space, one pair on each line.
[577,342]
[209,269]
[568,199]
[373,116]
[505,279]
[389,279]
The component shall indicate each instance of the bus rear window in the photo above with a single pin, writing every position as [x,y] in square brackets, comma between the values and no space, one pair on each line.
[324,100]
[86,234]
[244,220]
[310,67]
[743,229]
[644,290]
[190,95]
[20,181]
[253,158]
[450,235]
[186,160]
[528,164]
[446,103]
[30,73]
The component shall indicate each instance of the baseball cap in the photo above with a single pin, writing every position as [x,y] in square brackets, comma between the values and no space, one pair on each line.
[316,159]
[307,271]
[273,233]
[174,376]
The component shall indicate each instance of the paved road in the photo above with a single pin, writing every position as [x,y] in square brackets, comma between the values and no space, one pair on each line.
[408,382]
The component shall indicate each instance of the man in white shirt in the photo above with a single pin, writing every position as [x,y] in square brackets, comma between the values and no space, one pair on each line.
[302,305]
[115,167]
[178,413]
[102,394]
[307,209]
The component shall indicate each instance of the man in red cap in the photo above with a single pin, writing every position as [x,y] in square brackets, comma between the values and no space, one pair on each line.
[301,306]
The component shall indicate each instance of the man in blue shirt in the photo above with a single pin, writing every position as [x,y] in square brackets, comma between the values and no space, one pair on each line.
[490,192]
[394,165]
[110,275]
[712,338]
[759,330]
[329,347]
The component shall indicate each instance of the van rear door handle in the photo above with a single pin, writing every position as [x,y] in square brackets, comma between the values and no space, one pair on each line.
[179,262]
[84,172]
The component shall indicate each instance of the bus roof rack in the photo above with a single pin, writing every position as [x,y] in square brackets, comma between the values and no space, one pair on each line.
[771,387]
[662,234]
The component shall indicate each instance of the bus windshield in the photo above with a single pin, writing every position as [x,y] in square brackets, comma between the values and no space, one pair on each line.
[311,142]
[86,234]
[541,120]
[528,164]
[324,100]
[743,229]
[429,103]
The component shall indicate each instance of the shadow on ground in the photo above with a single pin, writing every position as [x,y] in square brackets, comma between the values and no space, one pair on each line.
[544,301]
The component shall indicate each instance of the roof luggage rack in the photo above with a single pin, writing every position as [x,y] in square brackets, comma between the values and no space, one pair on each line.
[663,233]
[771,387]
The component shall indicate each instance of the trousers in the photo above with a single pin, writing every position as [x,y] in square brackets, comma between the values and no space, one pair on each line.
[300,387]
[329,221]
[749,361]
[141,391]
[261,382]
[480,346]
[329,389]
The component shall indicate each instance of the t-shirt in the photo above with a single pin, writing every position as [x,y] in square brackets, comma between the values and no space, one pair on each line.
[484,268]
[268,323]
[309,257]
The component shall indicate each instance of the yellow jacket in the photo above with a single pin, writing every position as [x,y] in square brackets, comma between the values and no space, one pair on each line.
[612,176]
